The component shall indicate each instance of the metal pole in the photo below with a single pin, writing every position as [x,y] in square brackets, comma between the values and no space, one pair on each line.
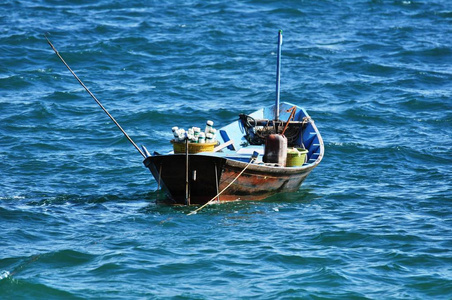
[216,182]
[95,99]
[278,75]
[187,188]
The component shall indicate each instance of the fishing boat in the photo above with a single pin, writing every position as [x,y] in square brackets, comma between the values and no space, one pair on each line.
[268,151]
[241,170]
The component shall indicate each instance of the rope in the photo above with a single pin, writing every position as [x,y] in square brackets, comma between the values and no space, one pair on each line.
[213,199]
[292,110]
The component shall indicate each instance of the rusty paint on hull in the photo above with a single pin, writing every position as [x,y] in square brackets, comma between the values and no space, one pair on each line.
[209,174]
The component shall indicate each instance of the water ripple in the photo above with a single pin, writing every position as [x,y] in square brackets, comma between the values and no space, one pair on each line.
[80,216]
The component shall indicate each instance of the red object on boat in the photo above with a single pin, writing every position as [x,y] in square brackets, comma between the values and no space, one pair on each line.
[275,149]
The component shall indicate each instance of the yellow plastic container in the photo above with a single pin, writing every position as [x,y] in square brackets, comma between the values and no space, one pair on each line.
[179,147]
[296,157]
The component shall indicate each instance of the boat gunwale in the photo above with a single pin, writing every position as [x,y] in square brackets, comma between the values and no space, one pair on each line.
[261,167]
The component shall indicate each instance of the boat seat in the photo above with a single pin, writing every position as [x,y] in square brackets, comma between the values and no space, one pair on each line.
[226,138]
[251,149]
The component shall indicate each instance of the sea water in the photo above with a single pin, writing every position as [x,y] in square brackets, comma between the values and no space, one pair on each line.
[79,213]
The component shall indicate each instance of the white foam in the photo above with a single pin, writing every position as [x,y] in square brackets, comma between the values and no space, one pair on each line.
[4,274]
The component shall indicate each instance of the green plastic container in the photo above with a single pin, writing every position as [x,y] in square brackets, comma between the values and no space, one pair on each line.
[296,157]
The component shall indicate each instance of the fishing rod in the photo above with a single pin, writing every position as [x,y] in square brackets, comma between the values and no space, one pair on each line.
[95,99]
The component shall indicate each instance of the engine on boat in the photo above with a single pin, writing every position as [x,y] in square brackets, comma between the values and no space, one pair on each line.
[256,131]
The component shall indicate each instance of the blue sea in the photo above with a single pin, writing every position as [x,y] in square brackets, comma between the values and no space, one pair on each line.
[82,218]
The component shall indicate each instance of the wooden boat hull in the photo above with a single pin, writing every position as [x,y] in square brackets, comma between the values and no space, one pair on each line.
[208,175]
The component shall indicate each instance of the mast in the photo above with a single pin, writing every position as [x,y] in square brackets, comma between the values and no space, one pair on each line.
[278,75]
